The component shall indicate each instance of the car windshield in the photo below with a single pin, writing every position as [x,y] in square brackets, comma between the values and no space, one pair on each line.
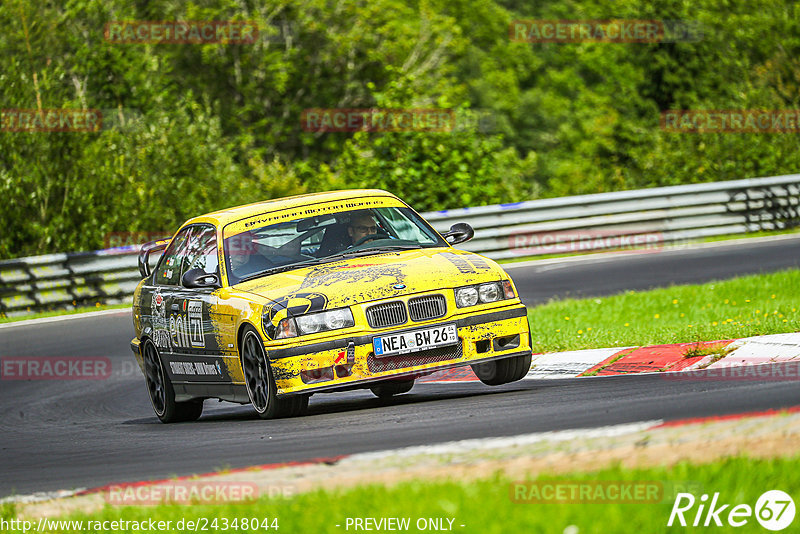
[262,249]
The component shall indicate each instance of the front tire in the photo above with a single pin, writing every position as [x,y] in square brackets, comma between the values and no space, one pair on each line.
[498,372]
[261,384]
[162,394]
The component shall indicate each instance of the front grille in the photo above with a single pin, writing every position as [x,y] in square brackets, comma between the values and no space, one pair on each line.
[426,308]
[423,357]
[389,314]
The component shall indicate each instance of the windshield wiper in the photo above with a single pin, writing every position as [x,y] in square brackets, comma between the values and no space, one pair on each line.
[369,250]
[278,269]
[394,247]
[328,259]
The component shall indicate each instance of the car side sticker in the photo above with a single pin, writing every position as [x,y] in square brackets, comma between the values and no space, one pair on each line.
[194,368]
[158,308]
[198,369]
[186,329]
[196,337]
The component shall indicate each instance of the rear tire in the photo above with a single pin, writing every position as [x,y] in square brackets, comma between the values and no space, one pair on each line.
[162,394]
[260,383]
[498,372]
[390,388]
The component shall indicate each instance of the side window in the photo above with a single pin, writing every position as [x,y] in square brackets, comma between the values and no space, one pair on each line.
[403,228]
[202,250]
[169,268]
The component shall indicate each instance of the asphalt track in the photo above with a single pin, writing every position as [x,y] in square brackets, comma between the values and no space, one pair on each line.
[73,434]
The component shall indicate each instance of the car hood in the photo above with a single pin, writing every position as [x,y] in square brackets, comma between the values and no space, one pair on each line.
[383,275]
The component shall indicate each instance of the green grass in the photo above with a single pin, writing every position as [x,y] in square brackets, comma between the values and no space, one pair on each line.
[56,313]
[8,510]
[741,307]
[760,233]
[486,505]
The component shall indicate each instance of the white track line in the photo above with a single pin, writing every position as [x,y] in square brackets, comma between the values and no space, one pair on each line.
[468,445]
[40,496]
[68,317]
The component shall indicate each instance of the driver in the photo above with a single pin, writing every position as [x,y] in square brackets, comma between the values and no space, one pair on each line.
[244,256]
[362,225]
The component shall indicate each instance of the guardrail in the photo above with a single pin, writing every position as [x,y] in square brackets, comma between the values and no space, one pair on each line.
[67,280]
[626,219]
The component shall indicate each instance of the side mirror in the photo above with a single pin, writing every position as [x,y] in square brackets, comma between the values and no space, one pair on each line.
[144,255]
[197,278]
[459,233]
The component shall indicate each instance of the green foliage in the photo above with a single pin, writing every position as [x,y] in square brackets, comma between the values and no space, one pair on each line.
[217,125]
[445,170]
[8,510]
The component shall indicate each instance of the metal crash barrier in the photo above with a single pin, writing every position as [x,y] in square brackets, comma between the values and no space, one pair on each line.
[605,221]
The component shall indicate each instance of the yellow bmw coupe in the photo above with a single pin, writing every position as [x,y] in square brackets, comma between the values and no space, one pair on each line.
[271,302]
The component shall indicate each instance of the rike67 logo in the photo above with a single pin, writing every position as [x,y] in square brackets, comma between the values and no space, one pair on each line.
[774,510]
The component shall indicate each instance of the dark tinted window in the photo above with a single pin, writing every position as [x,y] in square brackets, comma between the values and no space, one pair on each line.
[310,240]
[202,250]
[169,268]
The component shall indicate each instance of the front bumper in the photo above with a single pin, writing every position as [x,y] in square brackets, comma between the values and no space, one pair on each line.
[350,362]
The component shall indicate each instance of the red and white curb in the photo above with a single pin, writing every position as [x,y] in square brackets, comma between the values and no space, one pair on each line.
[724,354]
[569,364]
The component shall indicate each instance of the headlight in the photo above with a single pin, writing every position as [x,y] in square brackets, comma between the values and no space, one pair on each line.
[310,324]
[484,293]
[327,320]
[489,292]
[336,319]
[466,296]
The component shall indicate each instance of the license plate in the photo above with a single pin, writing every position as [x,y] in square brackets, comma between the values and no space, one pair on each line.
[415,340]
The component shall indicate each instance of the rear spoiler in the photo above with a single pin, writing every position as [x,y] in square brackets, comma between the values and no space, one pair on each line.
[144,254]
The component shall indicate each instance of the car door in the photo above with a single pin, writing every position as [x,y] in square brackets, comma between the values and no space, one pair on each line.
[196,356]
[160,290]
